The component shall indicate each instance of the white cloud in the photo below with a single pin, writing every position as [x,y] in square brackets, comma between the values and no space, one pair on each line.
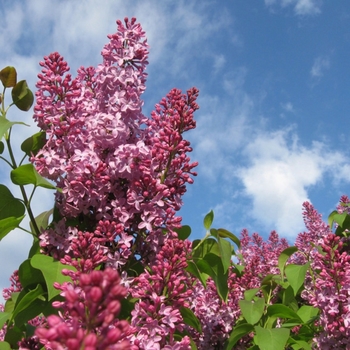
[321,64]
[278,175]
[301,7]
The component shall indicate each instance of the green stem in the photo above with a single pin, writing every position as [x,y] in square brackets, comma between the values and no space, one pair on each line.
[24,194]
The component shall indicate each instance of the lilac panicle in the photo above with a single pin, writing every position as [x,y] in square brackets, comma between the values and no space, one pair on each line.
[111,162]
[89,315]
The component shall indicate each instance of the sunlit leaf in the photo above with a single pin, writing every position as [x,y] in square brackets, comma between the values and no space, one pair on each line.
[249,294]
[307,313]
[5,345]
[296,275]
[52,271]
[27,174]
[271,339]
[252,311]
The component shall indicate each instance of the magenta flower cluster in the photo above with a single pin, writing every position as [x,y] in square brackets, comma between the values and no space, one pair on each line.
[91,315]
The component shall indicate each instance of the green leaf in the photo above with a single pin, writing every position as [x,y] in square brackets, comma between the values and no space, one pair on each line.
[288,298]
[237,333]
[31,310]
[6,125]
[22,97]
[227,234]
[52,271]
[29,276]
[34,143]
[26,298]
[296,275]
[9,205]
[27,174]
[10,303]
[190,319]
[343,221]
[2,147]
[252,311]
[8,76]
[9,224]
[208,245]
[13,335]
[183,232]
[225,250]
[307,313]
[193,269]
[208,220]
[283,258]
[250,294]
[301,345]
[4,345]
[271,339]
[216,272]
[42,220]
[4,316]
[211,265]
[282,311]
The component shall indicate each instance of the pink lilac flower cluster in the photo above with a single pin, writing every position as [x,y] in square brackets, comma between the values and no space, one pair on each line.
[110,161]
[89,316]
[161,292]
[327,285]
[121,177]
[331,292]
[259,257]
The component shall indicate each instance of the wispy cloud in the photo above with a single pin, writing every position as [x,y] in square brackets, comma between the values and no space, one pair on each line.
[321,64]
[301,7]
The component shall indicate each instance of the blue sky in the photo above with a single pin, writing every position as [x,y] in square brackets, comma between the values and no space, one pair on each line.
[274,83]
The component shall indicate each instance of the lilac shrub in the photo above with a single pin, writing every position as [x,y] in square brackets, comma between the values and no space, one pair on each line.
[131,279]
